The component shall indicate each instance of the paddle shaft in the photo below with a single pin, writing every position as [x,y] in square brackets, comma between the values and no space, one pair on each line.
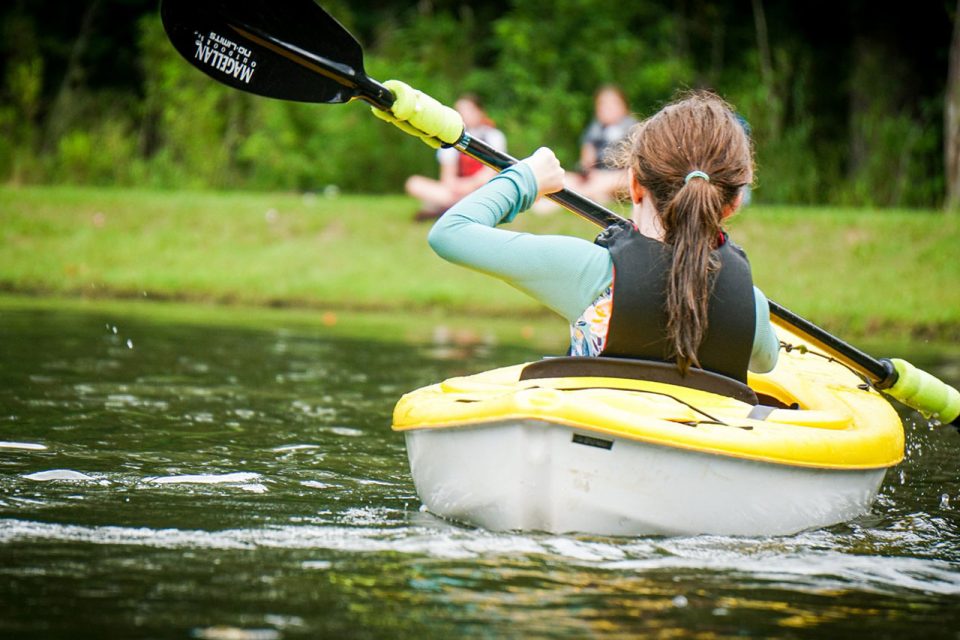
[881,372]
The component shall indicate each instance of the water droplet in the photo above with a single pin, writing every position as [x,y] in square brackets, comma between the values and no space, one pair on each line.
[129,344]
[680,601]
[114,329]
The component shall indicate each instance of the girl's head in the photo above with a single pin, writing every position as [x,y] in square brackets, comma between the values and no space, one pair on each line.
[699,133]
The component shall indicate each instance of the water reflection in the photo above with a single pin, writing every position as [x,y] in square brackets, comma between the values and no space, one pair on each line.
[237,483]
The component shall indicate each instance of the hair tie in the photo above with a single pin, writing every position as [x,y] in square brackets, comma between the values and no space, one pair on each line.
[696,174]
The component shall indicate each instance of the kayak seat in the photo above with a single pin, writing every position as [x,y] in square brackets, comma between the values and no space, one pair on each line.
[630,369]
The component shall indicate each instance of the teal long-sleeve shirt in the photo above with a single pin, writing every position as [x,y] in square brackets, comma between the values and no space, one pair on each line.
[563,272]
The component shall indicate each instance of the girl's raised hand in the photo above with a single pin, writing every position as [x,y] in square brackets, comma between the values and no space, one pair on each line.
[547,170]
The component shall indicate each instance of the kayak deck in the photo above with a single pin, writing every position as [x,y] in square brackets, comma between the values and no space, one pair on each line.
[620,456]
[836,424]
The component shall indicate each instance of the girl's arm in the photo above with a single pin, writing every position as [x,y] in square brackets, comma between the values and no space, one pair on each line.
[564,273]
[766,344]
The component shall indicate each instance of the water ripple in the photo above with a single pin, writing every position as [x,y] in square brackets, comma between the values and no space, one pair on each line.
[60,475]
[26,446]
[771,560]
[212,478]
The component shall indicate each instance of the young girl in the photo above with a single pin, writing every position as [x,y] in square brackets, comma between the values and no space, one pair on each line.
[671,286]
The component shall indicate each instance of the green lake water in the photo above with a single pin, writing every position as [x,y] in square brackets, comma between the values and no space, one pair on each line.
[162,479]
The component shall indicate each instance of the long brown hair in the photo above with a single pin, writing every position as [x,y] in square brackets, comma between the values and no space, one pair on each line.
[697,133]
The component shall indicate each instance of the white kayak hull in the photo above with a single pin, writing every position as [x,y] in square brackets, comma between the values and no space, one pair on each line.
[534,475]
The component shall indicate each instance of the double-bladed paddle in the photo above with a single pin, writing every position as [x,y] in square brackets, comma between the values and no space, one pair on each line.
[294,50]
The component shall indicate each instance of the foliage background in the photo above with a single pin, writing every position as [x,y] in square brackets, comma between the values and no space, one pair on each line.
[846,102]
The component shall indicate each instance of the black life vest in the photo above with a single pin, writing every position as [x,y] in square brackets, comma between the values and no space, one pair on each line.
[638,321]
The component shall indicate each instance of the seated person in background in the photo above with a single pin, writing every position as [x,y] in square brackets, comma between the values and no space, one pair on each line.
[599,179]
[459,174]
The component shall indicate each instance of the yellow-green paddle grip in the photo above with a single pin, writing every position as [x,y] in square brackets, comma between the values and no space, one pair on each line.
[925,393]
[418,114]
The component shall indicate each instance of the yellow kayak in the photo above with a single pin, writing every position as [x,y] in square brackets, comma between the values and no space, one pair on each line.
[618,447]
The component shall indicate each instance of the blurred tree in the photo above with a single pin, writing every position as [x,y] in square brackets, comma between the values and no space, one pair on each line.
[20,99]
[73,80]
[554,54]
[951,116]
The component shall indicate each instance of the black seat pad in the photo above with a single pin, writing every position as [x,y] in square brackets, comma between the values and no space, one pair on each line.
[630,369]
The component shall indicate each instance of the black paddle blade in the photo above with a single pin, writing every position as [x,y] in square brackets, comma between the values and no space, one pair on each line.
[285,49]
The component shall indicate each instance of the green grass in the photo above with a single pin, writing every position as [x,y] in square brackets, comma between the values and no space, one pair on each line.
[868,273]
[437,327]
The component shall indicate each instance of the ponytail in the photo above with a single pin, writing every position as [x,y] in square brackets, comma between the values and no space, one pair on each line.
[693,223]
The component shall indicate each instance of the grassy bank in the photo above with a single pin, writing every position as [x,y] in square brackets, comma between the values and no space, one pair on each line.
[865,273]
[452,332]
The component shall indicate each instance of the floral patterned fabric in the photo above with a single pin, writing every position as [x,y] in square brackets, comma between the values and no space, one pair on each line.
[588,335]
